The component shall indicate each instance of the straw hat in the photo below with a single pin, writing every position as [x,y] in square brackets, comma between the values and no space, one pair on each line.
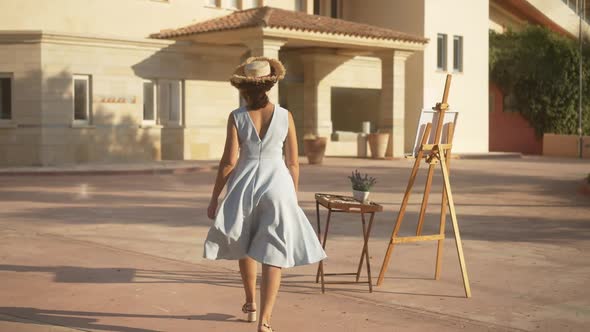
[261,71]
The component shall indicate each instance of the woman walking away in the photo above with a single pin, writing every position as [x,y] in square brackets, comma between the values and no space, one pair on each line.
[259,219]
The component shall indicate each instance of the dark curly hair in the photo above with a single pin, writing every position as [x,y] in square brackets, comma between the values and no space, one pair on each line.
[255,93]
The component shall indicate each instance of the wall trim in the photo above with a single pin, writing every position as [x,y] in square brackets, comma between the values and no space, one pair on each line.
[343,40]
[150,44]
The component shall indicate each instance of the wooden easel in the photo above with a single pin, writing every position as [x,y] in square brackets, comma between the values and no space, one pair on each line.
[436,154]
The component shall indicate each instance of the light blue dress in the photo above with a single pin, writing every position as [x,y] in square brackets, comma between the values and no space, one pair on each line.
[259,215]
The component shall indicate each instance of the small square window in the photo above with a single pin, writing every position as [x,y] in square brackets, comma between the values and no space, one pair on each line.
[441,51]
[213,3]
[458,53]
[5,97]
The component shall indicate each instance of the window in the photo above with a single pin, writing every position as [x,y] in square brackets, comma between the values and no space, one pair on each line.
[458,53]
[213,3]
[300,5]
[5,97]
[441,51]
[335,9]
[247,4]
[233,4]
[82,99]
[171,102]
[331,8]
[149,102]
[579,7]
[571,3]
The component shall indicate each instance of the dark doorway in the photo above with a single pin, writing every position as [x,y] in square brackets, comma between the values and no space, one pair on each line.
[352,106]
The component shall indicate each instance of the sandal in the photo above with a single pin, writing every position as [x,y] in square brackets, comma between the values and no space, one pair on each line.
[251,313]
[267,328]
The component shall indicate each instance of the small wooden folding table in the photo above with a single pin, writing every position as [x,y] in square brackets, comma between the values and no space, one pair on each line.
[338,203]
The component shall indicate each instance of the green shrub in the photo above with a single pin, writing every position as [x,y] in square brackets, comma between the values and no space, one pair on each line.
[539,69]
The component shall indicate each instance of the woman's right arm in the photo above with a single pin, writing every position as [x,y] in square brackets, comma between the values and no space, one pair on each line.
[292,152]
[226,164]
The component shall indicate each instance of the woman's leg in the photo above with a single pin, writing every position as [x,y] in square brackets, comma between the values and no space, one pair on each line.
[248,272]
[271,280]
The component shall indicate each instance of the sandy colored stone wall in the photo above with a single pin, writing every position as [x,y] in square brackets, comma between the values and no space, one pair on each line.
[129,19]
[565,146]
[208,105]
[208,99]
[43,132]
[20,137]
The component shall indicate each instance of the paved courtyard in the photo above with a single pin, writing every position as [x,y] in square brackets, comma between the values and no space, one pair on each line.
[123,253]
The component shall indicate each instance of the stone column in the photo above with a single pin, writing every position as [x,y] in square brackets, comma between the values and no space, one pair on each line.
[392,103]
[270,49]
[317,103]
[308,4]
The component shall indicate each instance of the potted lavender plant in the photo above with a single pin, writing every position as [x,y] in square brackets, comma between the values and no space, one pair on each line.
[361,186]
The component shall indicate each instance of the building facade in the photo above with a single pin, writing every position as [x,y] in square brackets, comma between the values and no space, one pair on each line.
[509,130]
[458,44]
[123,80]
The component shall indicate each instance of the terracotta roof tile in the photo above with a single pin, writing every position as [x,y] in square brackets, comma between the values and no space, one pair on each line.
[281,18]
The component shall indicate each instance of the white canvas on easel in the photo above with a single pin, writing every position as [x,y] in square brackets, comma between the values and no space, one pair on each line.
[429,116]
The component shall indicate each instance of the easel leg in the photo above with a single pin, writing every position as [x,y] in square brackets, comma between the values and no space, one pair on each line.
[402,209]
[425,200]
[439,248]
[400,217]
[443,206]
[443,217]
[458,242]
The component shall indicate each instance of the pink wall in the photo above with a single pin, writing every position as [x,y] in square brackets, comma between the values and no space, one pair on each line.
[509,131]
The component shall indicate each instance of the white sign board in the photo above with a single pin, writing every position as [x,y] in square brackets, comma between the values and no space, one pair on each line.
[429,116]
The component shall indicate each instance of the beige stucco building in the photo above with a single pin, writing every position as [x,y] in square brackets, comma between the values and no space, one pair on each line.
[128,80]
[509,130]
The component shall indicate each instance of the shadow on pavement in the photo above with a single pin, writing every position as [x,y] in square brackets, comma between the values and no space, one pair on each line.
[86,320]
[291,283]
